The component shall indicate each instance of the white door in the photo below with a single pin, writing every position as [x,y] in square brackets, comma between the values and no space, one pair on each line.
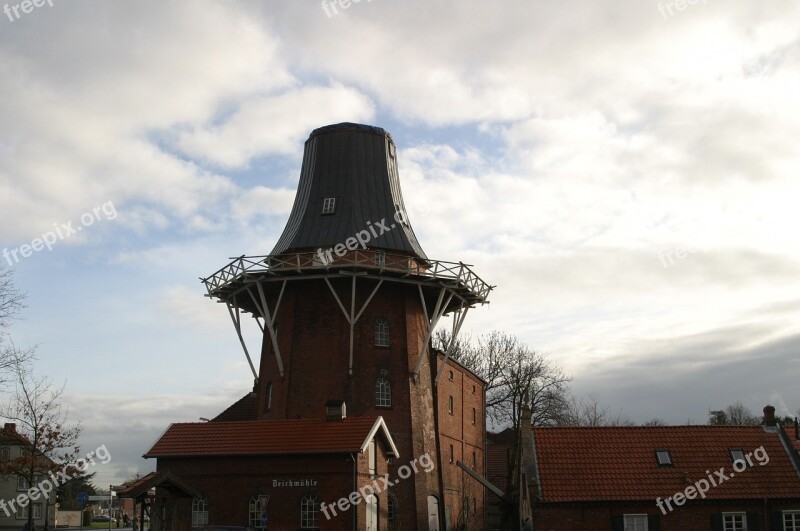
[433,513]
[372,513]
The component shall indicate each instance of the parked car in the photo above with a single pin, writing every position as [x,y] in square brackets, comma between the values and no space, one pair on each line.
[101,518]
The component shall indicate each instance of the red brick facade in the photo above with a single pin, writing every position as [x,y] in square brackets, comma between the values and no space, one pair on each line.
[589,479]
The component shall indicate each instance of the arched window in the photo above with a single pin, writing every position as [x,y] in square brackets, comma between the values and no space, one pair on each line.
[381,332]
[391,511]
[254,512]
[199,512]
[383,392]
[268,399]
[309,512]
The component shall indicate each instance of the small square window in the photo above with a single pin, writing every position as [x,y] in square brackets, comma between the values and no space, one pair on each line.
[734,522]
[791,520]
[5,453]
[635,522]
[663,458]
[329,205]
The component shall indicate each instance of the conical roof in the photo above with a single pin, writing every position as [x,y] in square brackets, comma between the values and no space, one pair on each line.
[349,184]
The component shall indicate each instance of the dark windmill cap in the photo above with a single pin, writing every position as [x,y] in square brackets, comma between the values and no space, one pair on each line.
[348,184]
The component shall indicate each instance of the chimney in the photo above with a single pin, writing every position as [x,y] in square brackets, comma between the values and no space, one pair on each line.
[335,410]
[796,430]
[10,426]
[769,416]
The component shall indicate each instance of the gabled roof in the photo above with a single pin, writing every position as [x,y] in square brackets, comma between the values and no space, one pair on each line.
[10,435]
[163,480]
[271,437]
[245,408]
[619,463]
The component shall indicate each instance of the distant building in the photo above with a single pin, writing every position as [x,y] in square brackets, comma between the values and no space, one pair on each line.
[348,392]
[666,478]
[12,516]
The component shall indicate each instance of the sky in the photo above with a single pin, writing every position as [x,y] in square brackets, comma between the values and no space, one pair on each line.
[625,172]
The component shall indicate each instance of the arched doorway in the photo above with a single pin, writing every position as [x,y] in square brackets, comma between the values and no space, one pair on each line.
[433,513]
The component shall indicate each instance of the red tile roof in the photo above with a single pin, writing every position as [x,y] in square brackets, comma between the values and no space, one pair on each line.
[791,432]
[619,463]
[10,435]
[270,437]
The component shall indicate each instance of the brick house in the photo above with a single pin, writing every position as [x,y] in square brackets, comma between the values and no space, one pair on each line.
[666,478]
[215,473]
[283,470]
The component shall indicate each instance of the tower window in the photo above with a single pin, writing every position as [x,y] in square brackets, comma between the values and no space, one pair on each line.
[381,332]
[450,376]
[328,205]
[309,512]
[391,510]
[383,393]
[268,400]
[474,416]
[452,455]
[450,404]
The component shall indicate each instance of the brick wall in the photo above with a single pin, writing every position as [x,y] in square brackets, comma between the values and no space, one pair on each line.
[695,517]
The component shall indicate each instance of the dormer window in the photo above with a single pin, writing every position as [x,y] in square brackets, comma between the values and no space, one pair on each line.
[663,458]
[328,205]
[737,454]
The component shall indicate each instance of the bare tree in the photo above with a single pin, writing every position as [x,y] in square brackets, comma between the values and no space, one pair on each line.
[50,440]
[10,303]
[10,298]
[512,371]
[736,414]
[588,412]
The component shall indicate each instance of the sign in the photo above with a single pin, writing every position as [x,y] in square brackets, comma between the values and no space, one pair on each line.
[82,497]
[294,483]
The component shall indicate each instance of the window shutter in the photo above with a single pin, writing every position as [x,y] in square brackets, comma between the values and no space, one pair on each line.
[617,523]
[754,521]
[716,522]
[653,522]
[777,520]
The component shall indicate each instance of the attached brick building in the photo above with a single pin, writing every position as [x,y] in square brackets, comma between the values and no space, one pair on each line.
[346,302]
[648,479]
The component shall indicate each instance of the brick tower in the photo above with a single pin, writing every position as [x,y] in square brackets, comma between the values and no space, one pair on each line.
[347,302]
